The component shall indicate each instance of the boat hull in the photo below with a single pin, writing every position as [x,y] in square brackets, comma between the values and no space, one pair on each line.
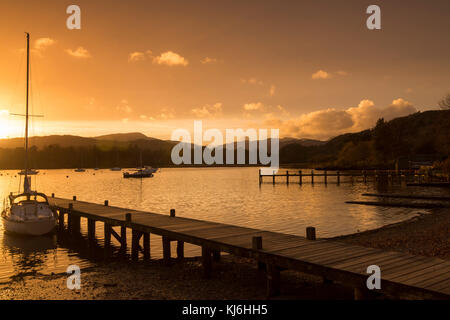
[37,227]
[132,175]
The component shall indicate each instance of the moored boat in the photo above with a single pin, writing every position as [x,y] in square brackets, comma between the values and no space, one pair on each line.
[139,173]
[29,212]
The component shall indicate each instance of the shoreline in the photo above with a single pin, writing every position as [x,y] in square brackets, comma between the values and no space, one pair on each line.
[233,277]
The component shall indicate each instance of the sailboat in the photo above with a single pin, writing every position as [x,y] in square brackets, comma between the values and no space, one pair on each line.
[116,168]
[30,172]
[141,172]
[29,212]
[80,169]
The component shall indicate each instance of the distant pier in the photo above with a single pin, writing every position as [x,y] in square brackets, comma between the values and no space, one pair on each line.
[300,177]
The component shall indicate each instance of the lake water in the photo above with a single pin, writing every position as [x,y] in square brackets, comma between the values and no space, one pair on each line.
[229,195]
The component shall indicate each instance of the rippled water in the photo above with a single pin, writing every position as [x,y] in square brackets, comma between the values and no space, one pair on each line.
[229,195]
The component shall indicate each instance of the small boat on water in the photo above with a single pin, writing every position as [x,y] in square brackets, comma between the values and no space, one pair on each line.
[80,170]
[139,173]
[116,169]
[28,212]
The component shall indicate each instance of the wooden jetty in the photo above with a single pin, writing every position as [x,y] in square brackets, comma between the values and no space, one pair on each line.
[351,176]
[402,275]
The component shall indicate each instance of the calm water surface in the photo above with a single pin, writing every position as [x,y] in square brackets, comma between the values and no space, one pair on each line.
[229,195]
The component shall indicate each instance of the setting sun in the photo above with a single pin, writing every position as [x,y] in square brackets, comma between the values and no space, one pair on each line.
[4,124]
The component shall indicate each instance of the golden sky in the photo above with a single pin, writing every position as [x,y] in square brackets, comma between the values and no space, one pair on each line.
[310,68]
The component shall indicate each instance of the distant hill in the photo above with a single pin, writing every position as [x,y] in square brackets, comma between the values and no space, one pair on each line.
[124,137]
[419,134]
[424,135]
[77,141]
[302,142]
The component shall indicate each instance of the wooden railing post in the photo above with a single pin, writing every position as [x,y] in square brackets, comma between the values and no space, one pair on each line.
[311,233]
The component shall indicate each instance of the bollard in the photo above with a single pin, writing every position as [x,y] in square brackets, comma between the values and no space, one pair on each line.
[311,233]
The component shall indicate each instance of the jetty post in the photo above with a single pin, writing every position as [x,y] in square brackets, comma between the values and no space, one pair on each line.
[61,219]
[107,239]
[338,177]
[257,245]
[206,261]
[287,177]
[146,245]
[91,229]
[135,238]
[325,177]
[166,250]
[180,244]
[300,177]
[311,233]
[312,176]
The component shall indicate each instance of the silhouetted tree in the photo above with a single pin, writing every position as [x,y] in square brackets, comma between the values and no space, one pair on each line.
[444,104]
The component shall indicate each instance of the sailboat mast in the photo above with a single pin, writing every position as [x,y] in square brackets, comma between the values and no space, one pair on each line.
[26,113]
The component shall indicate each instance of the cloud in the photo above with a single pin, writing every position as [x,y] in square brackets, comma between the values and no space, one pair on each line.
[208,111]
[139,56]
[324,75]
[326,123]
[253,81]
[272,91]
[171,59]
[166,114]
[321,75]
[253,106]
[208,60]
[43,43]
[124,106]
[80,53]
[136,56]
